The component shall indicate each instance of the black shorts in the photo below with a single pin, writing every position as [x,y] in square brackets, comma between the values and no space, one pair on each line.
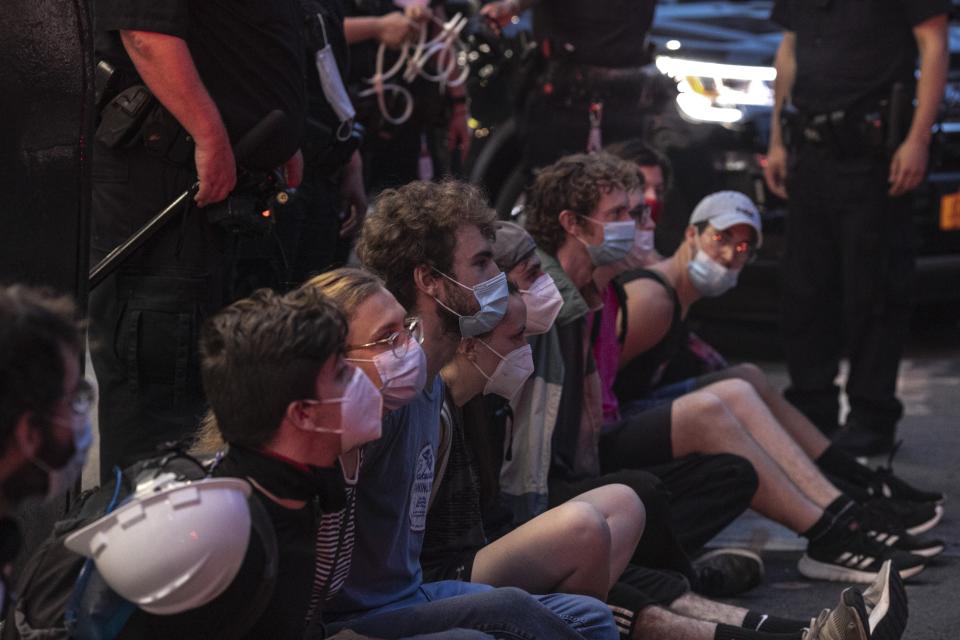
[449,566]
[643,438]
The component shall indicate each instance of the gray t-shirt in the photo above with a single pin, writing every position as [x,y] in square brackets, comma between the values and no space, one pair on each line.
[393,493]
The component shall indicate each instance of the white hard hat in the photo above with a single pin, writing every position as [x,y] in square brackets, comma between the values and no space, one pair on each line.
[174,546]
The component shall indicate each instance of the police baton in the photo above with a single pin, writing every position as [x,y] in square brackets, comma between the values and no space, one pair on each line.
[247,145]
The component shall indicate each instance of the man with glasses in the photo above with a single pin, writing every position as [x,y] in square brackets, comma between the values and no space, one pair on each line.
[431,245]
[738,411]
[44,406]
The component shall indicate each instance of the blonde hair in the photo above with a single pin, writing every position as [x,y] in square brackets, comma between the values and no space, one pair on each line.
[347,287]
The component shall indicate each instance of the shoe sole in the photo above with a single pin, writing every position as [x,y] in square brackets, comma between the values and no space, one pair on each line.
[745,553]
[929,524]
[816,570]
[930,552]
[888,619]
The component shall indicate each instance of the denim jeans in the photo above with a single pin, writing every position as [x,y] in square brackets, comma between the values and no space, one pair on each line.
[502,613]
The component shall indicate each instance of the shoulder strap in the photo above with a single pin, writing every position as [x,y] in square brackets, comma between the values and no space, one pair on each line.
[648,274]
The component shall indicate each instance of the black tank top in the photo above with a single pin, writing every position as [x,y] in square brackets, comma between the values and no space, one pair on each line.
[642,374]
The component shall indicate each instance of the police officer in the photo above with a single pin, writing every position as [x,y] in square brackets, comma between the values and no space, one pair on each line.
[215,69]
[852,157]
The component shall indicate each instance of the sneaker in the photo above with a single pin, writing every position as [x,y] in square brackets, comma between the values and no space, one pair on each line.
[847,621]
[912,517]
[887,485]
[883,529]
[723,573]
[886,603]
[850,555]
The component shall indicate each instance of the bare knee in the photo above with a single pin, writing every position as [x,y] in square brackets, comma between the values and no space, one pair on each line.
[752,374]
[702,418]
[585,527]
[626,504]
[733,390]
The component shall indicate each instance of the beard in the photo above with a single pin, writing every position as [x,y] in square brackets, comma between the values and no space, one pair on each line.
[29,479]
[458,299]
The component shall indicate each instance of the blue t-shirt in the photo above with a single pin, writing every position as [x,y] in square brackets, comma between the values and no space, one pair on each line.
[393,493]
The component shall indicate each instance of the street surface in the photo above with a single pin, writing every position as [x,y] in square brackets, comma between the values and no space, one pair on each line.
[930,389]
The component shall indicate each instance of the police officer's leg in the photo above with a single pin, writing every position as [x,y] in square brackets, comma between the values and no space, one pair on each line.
[144,320]
[878,272]
[811,288]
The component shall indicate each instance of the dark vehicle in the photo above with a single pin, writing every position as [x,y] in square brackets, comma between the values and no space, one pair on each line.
[720,57]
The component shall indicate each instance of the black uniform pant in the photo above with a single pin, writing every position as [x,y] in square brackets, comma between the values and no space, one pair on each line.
[145,319]
[847,271]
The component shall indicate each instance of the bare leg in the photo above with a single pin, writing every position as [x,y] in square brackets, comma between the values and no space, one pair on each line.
[625,517]
[566,549]
[694,606]
[702,423]
[753,413]
[793,421]
[655,622]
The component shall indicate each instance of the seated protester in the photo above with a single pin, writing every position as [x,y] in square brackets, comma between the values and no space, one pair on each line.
[44,408]
[581,545]
[697,423]
[697,357]
[661,298]
[558,415]
[279,360]
[430,242]
[728,416]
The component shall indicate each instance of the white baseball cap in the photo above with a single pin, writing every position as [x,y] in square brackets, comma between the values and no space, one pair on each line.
[725,209]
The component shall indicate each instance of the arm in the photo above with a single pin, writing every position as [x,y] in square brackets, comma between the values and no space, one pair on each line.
[909,163]
[775,171]
[392,29]
[165,64]
[649,314]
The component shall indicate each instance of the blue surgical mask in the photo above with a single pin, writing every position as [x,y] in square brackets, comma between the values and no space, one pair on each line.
[492,295]
[709,277]
[617,241]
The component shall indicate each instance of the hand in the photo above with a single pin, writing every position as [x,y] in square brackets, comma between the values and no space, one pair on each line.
[216,170]
[293,170]
[775,171]
[458,133]
[353,197]
[908,166]
[418,13]
[394,28]
[501,11]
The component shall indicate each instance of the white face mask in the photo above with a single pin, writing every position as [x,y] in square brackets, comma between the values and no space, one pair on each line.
[643,241]
[511,374]
[359,419]
[402,378]
[492,297]
[543,302]
[332,85]
[709,277]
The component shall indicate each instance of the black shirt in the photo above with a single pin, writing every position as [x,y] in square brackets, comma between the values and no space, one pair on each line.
[604,33]
[249,54]
[850,52]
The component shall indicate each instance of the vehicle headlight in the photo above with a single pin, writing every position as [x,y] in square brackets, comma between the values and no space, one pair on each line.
[714,92]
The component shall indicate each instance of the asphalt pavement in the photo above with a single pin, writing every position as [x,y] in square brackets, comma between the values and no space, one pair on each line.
[929,386]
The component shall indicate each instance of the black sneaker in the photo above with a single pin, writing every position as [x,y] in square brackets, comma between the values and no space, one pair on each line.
[722,573]
[848,554]
[887,485]
[912,517]
[886,603]
[884,529]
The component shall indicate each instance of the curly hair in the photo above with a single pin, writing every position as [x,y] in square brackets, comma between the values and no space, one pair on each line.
[575,182]
[262,353]
[415,225]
